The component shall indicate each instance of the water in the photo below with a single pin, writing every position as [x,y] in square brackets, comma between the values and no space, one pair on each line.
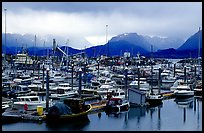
[168,117]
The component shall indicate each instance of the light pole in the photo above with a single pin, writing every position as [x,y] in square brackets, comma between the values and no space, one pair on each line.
[107,40]
[5,38]
[106,32]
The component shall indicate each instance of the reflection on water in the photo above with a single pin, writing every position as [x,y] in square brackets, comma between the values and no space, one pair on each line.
[172,115]
[136,113]
[68,125]
[185,102]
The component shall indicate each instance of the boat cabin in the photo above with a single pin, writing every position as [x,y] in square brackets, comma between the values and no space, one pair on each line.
[76,104]
[28,98]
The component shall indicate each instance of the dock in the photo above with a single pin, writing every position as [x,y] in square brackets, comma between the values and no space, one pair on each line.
[16,115]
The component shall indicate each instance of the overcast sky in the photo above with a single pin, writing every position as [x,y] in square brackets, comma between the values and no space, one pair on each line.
[88,20]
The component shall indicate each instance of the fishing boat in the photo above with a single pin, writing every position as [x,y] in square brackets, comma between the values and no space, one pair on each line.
[70,109]
[28,103]
[116,105]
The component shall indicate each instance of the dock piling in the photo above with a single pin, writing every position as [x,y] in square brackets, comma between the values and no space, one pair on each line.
[47,90]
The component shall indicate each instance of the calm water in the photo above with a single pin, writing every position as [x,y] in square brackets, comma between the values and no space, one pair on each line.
[168,117]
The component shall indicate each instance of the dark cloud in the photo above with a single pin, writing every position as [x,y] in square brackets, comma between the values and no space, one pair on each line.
[169,19]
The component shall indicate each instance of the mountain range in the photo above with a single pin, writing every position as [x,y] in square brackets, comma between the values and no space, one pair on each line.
[116,46]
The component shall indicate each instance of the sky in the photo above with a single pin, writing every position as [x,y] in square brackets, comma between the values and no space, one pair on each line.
[87,24]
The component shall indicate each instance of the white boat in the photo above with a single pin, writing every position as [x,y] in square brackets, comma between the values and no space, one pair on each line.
[29,102]
[4,107]
[57,77]
[183,91]
[62,94]
[21,89]
[103,90]
[64,86]
[63,91]
[35,86]
[168,79]
[144,86]
[179,83]
[116,93]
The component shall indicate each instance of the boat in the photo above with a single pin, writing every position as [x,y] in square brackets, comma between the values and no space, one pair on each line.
[4,107]
[144,86]
[198,89]
[65,86]
[103,90]
[178,84]
[68,110]
[28,103]
[21,90]
[57,77]
[35,86]
[154,99]
[183,91]
[90,94]
[116,105]
[62,94]
[5,104]
[115,93]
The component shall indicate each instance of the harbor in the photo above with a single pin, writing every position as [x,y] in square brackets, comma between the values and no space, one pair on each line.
[168,117]
[61,73]
[129,83]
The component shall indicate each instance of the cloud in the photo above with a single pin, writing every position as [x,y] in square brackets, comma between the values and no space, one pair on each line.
[88,20]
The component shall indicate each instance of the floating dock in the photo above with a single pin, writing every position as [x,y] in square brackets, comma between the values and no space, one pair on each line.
[16,115]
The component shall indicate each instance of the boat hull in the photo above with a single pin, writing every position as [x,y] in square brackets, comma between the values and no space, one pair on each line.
[70,117]
[117,108]
[154,100]
[184,94]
